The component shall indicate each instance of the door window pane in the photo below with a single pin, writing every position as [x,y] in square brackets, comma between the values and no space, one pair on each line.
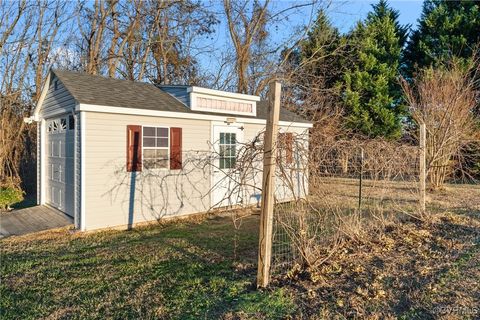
[227,150]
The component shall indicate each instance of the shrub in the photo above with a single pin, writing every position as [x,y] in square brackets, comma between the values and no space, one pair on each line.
[9,196]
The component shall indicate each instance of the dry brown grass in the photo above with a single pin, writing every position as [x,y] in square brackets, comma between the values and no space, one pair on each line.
[400,268]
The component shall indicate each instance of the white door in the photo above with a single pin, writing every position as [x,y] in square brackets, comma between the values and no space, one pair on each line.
[60,150]
[227,141]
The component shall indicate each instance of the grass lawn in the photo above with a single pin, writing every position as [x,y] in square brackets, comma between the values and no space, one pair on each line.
[182,271]
[188,270]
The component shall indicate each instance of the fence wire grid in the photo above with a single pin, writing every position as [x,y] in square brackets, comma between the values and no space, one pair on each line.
[349,182]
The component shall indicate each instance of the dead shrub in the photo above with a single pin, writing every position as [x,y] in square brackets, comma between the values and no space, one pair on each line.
[356,188]
[444,100]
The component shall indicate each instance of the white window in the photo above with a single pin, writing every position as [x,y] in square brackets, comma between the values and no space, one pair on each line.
[228,150]
[57,125]
[155,147]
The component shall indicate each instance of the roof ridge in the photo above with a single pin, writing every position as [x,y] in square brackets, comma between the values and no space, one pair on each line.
[98,76]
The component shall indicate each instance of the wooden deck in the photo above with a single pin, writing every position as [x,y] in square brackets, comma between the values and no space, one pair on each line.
[30,220]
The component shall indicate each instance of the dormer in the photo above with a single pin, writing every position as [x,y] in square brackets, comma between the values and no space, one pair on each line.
[216,101]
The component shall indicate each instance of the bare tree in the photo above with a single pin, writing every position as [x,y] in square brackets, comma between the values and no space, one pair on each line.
[7,23]
[257,60]
[28,42]
[92,25]
[444,100]
[244,30]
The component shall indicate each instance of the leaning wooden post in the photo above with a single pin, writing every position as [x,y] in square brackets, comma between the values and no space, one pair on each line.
[422,167]
[268,186]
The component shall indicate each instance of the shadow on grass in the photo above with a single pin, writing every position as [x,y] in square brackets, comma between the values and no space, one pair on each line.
[178,271]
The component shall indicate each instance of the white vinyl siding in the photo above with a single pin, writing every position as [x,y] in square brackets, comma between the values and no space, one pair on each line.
[111,192]
[57,101]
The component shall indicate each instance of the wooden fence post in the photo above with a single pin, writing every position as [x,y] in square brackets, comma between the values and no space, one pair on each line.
[422,167]
[268,186]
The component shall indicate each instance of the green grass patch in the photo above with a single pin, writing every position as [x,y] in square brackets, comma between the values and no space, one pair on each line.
[177,271]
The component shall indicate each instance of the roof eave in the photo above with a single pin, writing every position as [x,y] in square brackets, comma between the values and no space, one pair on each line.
[38,106]
[180,115]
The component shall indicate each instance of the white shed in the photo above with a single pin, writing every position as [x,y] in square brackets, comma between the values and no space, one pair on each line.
[113,153]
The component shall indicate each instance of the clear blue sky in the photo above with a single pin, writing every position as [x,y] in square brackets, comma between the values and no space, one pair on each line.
[345,14]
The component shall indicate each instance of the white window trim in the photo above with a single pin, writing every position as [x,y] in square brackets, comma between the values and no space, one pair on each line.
[83,171]
[43,166]
[168,147]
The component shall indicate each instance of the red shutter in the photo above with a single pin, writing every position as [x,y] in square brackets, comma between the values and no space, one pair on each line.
[280,146]
[289,147]
[285,147]
[134,148]
[175,148]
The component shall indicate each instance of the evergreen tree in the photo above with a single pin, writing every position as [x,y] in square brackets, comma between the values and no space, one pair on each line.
[313,70]
[372,95]
[447,29]
[322,52]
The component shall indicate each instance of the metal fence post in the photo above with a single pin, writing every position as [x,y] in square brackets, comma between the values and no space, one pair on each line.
[422,167]
[361,180]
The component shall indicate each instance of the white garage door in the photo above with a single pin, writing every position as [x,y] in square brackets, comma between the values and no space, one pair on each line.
[60,165]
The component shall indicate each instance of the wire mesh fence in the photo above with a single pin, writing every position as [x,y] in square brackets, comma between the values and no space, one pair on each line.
[350,184]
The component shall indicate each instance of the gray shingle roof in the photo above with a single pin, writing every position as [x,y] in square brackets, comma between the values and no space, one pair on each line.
[99,90]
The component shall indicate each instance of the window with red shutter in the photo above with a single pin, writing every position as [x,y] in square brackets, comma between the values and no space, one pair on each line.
[175,148]
[156,147]
[134,148]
